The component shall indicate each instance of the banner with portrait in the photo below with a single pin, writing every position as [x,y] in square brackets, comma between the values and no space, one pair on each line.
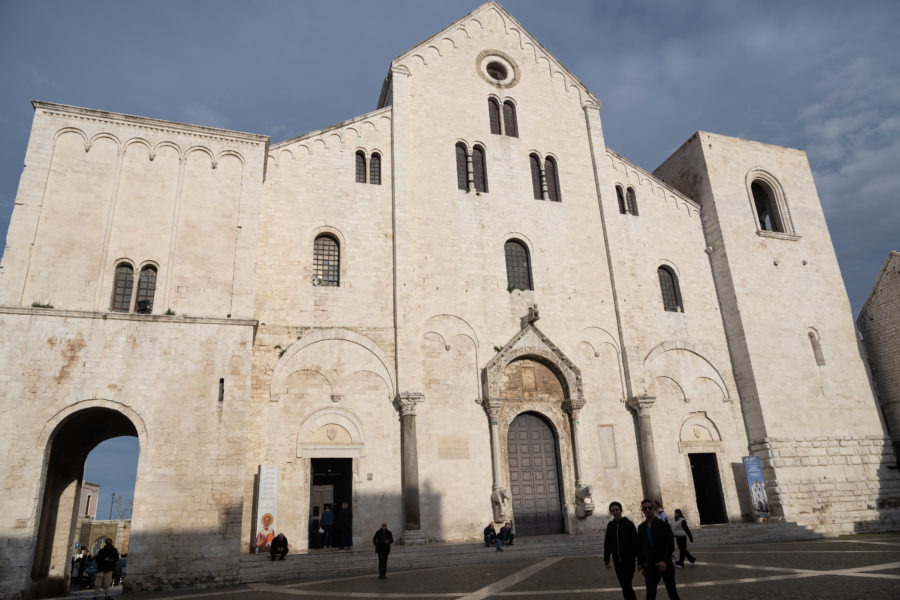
[266,507]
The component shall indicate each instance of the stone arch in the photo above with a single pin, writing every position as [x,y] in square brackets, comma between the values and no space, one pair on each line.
[714,374]
[66,439]
[290,362]
[331,433]
[530,342]
[698,431]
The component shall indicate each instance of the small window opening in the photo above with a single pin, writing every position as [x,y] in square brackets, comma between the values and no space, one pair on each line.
[518,266]
[817,349]
[668,286]
[479,169]
[496,71]
[360,166]
[620,196]
[510,124]
[462,167]
[766,209]
[631,201]
[221,389]
[375,169]
[494,116]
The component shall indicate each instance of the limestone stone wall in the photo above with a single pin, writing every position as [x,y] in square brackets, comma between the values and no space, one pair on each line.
[879,323]
[778,291]
[99,189]
[161,375]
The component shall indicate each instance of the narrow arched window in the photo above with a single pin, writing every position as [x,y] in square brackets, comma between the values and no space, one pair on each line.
[462,167]
[518,266]
[326,261]
[536,177]
[620,196]
[360,166]
[817,349]
[122,286]
[631,201]
[494,115]
[552,177]
[510,126]
[479,169]
[146,290]
[766,208]
[375,169]
[668,286]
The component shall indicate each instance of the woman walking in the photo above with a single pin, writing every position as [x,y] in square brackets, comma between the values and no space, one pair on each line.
[682,533]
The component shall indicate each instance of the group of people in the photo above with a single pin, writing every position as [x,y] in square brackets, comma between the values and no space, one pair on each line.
[650,547]
[278,544]
[504,537]
[100,571]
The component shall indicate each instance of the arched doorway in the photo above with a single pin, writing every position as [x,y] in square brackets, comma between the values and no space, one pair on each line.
[534,476]
[70,444]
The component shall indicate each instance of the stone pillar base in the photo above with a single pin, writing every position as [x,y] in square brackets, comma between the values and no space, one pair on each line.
[412,537]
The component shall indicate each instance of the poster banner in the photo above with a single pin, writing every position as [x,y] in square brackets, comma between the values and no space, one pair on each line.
[757,484]
[266,507]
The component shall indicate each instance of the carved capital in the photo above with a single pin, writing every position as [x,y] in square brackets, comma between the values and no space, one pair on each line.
[573,406]
[641,404]
[492,406]
[406,402]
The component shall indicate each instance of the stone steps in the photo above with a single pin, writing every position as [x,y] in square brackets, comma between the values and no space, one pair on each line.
[316,564]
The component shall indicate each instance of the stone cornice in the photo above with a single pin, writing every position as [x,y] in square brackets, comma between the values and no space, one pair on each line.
[102,116]
[113,316]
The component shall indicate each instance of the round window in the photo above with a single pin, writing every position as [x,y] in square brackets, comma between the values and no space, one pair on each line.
[497,68]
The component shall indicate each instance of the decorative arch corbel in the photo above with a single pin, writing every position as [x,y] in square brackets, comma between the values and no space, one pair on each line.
[331,433]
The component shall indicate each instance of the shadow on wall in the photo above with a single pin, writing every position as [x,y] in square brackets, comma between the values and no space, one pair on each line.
[888,503]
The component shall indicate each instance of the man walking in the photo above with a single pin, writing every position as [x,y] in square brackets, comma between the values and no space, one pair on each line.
[383,539]
[107,559]
[655,548]
[621,544]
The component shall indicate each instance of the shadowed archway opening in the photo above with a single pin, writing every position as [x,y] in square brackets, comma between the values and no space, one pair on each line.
[74,438]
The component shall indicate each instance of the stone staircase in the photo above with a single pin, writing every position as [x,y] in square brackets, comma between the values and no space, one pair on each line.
[318,564]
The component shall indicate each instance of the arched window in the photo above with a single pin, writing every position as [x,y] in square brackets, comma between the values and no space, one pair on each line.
[668,285]
[494,115]
[360,166]
[122,285]
[510,126]
[766,208]
[479,169]
[631,201]
[375,169]
[620,196]
[146,290]
[536,176]
[326,261]
[817,349]
[462,167]
[518,266]
[552,179]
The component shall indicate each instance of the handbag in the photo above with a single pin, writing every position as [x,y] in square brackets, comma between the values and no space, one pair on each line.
[321,530]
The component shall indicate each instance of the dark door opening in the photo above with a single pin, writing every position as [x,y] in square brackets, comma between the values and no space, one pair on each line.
[534,476]
[708,488]
[332,485]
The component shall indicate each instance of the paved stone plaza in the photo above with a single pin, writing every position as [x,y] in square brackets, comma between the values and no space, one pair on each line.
[849,567]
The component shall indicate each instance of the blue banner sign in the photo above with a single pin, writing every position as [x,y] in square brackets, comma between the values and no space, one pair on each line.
[757,487]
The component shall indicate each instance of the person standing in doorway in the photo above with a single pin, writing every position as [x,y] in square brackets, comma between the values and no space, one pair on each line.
[383,539]
[682,533]
[326,522]
[621,543]
[345,520]
[655,548]
[107,559]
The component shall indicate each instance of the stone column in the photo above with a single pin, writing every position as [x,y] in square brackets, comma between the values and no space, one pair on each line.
[500,496]
[412,526]
[584,504]
[641,406]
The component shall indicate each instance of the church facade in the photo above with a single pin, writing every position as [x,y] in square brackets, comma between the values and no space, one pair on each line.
[459,307]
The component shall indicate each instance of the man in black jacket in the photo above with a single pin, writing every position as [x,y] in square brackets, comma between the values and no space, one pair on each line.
[621,543]
[106,563]
[655,547]
[383,539]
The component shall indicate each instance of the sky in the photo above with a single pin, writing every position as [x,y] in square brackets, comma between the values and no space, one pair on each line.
[819,75]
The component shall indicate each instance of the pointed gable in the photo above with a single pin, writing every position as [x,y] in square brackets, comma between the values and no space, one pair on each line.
[483,24]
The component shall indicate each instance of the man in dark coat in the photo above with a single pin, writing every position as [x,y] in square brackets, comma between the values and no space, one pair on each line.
[655,547]
[279,547]
[383,539]
[621,543]
[107,559]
